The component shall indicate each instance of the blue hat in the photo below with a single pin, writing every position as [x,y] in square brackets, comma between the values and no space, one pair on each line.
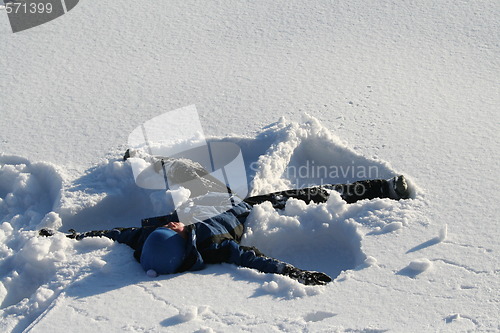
[163,251]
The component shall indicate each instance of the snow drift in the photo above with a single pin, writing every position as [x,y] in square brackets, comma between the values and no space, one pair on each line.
[325,237]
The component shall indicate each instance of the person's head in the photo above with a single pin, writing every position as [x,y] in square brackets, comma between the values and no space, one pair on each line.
[164,251]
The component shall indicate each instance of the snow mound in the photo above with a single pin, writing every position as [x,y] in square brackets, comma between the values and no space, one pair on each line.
[328,236]
[28,191]
[420,265]
[325,237]
[308,154]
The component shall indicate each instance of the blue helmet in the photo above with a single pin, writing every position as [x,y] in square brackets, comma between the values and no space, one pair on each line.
[163,251]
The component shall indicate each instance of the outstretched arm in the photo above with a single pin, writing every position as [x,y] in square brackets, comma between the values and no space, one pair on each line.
[133,237]
[231,252]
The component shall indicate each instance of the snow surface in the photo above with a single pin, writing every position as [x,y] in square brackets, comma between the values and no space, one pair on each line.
[388,86]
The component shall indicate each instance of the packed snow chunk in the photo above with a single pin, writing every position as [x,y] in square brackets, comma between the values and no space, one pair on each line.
[151,273]
[271,287]
[188,314]
[117,173]
[5,234]
[345,276]
[34,250]
[453,317]
[3,292]
[51,220]
[317,316]
[180,196]
[26,182]
[43,294]
[28,191]
[33,265]
[370,261]
[8,175]
[443,233]
[420,265]
[205,330]
[92,243]
[6,228]
[5,231]
[34,270]
[159,201]
[391,227]
[59,243]
[336,205]
[203,309]
[97,263]
[11,200]
[462,321]
[287,288]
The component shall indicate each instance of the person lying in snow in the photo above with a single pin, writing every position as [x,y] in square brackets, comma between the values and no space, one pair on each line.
[163,245]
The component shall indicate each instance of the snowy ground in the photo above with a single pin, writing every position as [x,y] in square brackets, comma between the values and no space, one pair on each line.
[388,86]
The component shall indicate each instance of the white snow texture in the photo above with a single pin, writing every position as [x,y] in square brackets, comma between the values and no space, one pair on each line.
[312,92]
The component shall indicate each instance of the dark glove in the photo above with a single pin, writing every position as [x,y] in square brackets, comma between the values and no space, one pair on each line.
[49,232]
[46,232]
[309,278]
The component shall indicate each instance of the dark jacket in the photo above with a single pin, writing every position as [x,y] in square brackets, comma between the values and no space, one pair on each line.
[215,240]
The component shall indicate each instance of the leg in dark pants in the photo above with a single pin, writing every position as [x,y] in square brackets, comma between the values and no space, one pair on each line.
[365,189]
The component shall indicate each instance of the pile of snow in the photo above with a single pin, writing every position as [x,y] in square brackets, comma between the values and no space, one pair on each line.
[326,237]
[28,192]
[413,83]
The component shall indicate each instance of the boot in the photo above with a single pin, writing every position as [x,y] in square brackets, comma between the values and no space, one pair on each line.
[399,188]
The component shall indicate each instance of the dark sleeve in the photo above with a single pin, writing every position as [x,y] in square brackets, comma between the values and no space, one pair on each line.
[231,252]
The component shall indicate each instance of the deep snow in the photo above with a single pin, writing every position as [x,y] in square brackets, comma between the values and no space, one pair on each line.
[391,86]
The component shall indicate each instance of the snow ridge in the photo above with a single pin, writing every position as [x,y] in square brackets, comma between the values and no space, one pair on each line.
[326,237]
